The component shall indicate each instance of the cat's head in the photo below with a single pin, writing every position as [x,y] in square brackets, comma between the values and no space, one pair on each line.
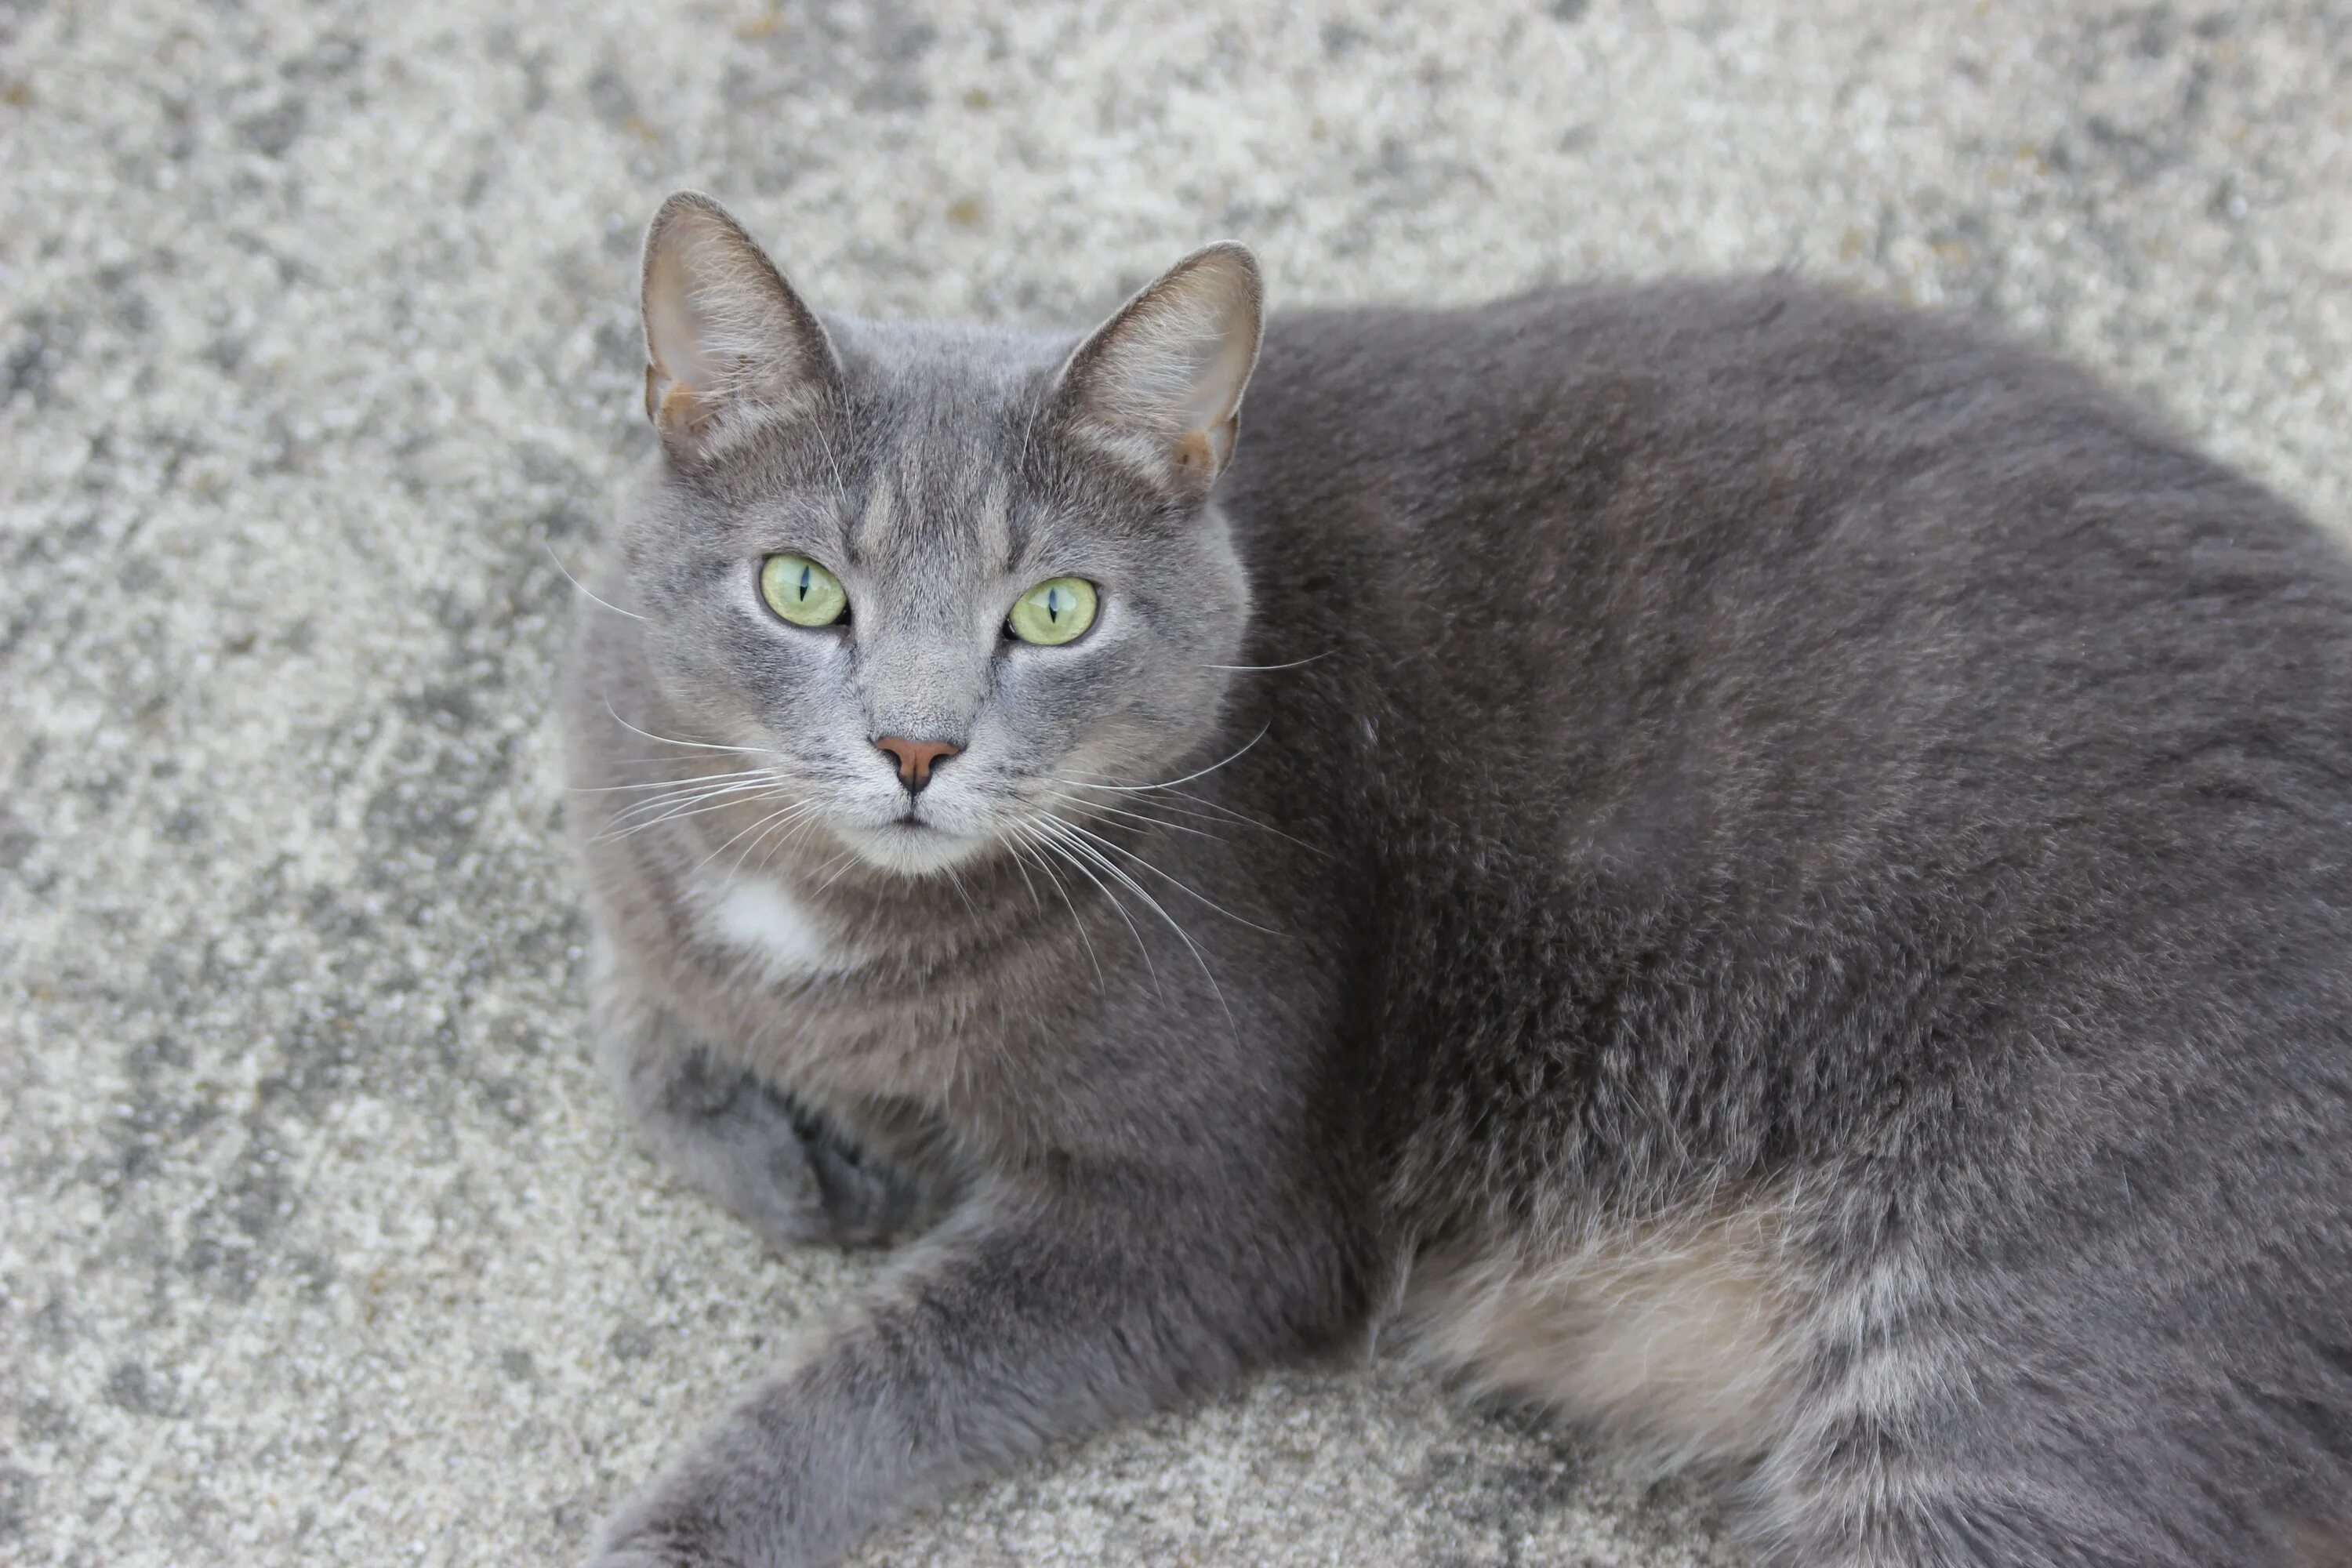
[982,563]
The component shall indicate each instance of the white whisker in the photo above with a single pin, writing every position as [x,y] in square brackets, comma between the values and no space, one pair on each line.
[739,795]
[1117,848]
[1054,840]
[784,822]
[1095,809]
[955,881]
[1188,778]
[1112,868]
[576,583]
[729,780]
[661,784]
[1260,669]
[1025,838]
[698,784]
[723,848]
[698,745]
[1021,865]
[790,831]
[1199,807]
[685,794]
[846,861]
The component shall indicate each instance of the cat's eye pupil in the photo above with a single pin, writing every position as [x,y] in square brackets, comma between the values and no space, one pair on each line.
[803,592]
[1056,611]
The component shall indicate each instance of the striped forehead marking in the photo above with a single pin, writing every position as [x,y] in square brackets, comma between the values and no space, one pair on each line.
[913,505]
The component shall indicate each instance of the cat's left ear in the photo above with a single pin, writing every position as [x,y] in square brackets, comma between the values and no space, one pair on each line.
[1160,383]
[729,346]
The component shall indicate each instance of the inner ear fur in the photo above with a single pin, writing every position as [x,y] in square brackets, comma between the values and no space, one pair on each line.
[1160,383]
[729,344]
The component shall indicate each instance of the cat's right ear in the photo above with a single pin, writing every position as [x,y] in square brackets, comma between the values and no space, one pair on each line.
[1159,385]
[729,348]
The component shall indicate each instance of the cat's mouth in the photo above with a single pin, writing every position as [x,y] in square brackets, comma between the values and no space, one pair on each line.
[912,844]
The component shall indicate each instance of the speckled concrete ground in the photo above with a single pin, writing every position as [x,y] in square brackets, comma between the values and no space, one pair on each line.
[320,1243]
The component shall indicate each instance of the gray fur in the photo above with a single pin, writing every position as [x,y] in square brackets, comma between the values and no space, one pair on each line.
[1652,753]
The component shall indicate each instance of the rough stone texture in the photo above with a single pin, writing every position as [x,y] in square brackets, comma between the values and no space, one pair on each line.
[320,1242]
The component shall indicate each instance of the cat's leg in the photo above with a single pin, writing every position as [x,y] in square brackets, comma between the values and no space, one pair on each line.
[1952,1420]
[1870,1492]
[772,1164]
[1863,1490]
[1014,1325]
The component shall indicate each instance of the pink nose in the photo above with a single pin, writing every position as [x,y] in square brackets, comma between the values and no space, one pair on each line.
[915,757]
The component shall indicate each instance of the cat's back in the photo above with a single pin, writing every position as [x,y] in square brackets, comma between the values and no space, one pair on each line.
[1756,413]
[1818,659]
[1822,552]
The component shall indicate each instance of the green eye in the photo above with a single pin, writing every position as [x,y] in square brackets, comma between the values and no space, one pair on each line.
[1053,612]
[801,590]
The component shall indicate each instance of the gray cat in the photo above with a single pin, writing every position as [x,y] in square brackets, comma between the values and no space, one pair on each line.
[1751,867]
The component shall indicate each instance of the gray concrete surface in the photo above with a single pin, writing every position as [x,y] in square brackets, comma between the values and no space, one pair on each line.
[320,1243]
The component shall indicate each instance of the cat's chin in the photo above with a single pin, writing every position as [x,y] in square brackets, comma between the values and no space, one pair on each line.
[912,848]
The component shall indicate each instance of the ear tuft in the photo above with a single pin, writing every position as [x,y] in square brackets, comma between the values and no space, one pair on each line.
[1160,383]
[729,345]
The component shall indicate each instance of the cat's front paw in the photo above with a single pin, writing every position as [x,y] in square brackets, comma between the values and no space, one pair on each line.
[682,1522]
[772,1164]
[794,1179]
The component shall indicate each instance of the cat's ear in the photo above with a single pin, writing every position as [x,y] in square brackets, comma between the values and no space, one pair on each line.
[729,346]
[1160,384]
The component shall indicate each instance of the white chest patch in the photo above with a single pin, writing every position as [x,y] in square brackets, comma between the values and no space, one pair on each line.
[771,927]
